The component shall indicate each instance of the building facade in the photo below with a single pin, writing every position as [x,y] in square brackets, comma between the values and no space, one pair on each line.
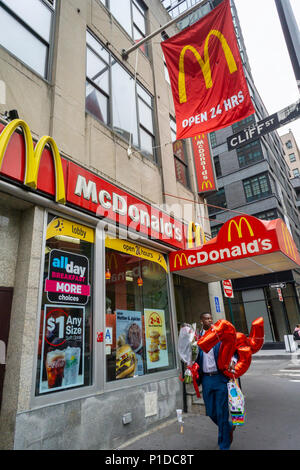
[94,195]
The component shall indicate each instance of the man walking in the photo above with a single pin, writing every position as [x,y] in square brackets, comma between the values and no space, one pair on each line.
[214,388]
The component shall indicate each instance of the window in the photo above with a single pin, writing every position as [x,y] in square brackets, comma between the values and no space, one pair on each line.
[216,201]
[138,317]
[250,153]
[292,157]
[131,14]
[26,32]
[113,97]
[180,158]
[237,126]
[215,230]
[213,139]
[257,187]
[296,172]
[65,340]
[289,144]
[267,215]
[218,169]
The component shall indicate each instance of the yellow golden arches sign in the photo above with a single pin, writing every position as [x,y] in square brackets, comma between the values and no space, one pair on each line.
[180,258]
[197,232]
[33,157]
[238,227]
[204,64]
[288,242]
[136,250]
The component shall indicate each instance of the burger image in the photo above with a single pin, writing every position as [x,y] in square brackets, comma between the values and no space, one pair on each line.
[154,336]
[162,342]
[125,362]
[153,352]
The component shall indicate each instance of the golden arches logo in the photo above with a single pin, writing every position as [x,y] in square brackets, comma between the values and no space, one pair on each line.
[238,227]
[180,257]
[207,184]
[33,157]
[110,258]
[288,242]
[204,64]
[197,232]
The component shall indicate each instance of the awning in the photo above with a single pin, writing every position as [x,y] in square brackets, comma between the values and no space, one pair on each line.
[245,246]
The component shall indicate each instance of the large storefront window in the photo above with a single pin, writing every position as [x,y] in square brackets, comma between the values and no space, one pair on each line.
[65,339]
[138,337]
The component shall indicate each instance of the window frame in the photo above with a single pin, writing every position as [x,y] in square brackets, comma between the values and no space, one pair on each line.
[143,10]
[183,163]
[109,96]
[251,181]
[47,75]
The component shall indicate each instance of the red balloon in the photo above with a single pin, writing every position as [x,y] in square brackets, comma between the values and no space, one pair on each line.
[233,342]
[256,336]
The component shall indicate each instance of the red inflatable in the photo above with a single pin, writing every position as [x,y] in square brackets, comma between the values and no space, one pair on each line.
[232,342]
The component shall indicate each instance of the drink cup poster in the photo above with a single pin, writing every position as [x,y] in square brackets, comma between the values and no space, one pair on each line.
[68,278]
[156,339]
[62,354]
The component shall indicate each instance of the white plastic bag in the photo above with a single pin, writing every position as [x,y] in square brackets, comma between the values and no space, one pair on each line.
[185,341]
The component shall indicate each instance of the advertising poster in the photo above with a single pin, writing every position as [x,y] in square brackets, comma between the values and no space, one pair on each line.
[62,353]
[68,278]
[156,340]
[129,336]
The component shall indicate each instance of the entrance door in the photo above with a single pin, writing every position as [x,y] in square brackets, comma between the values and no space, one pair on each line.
[6,294]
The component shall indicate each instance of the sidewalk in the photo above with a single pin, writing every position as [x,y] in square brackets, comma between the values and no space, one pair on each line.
[199,432]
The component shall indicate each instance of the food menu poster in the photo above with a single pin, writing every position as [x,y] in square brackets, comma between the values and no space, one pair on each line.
[156,339]
[62,351]
[129,334]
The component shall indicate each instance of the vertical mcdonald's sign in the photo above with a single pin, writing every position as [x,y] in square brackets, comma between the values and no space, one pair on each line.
[205,174]
[209,88]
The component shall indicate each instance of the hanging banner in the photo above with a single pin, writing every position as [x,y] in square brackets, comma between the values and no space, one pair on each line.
[205,174]
[62,355]
[209,88]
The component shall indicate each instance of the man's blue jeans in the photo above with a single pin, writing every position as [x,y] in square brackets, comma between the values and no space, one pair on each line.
[215,396]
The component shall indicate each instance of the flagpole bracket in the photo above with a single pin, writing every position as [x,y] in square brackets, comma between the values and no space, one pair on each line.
[124,54]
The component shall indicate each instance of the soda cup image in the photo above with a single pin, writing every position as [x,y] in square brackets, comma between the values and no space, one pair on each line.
[55,365]
[72,356]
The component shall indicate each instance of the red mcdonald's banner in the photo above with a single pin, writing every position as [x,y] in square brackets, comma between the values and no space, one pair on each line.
[203,164]
[206,72]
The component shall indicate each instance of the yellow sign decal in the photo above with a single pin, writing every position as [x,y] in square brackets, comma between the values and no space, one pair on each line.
[204,64]
[207,184]
[238,227]
[180,258]
[33,157]
[68,228]
[197,231]
[288,242]
[136,250]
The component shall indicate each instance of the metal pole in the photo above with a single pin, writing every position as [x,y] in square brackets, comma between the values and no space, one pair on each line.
[125,53]
[291,33]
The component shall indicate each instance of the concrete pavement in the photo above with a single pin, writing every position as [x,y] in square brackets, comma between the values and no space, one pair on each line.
[199,432]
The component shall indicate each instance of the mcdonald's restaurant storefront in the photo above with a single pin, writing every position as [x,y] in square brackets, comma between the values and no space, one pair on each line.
[92,284]
[88,317]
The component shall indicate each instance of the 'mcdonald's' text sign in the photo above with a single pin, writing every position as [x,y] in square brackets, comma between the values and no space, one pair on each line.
[240,237]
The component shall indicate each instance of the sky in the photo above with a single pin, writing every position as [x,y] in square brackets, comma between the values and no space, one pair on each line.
[268,56]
